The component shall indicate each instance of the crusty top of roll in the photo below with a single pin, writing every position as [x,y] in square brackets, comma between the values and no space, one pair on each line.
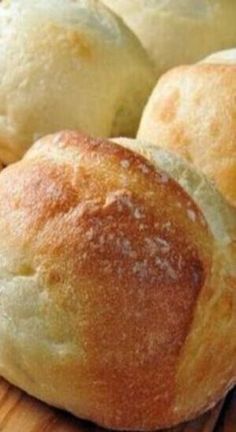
[192,112]
[67,64]
[179,31]
[113,282]
[217,213]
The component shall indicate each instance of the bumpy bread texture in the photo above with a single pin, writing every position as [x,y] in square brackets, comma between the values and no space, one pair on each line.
[192,112]
[179,31]
[67,64]
[117,296]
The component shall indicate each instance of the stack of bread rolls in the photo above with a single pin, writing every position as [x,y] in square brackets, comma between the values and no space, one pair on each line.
[117,255]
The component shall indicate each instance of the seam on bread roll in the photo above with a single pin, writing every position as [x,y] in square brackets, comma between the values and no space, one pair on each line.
[221,220]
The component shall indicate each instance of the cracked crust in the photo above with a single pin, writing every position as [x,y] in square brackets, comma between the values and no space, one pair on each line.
[106,263]
[206,368]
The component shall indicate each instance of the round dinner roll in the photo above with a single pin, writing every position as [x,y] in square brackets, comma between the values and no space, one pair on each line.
[192,111]
[118,278]
[67,64]
[175,32]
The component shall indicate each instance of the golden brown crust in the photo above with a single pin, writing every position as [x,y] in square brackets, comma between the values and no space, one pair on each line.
[192,112]
[206,366]
[107,256]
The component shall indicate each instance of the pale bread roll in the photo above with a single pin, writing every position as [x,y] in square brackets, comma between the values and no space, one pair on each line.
[176,32]
[117,295]
[67,64]
[222,57]
[192,112]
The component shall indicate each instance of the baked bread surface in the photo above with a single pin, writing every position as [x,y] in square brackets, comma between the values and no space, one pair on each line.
[192,112]
[178,32]
[67,64]
[117,295]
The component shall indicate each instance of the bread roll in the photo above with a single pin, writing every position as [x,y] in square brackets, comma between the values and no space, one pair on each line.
[117,295]
[192,111]
[67,64]
[176,32]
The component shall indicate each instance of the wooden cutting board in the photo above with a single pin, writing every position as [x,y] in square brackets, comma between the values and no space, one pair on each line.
[21,413]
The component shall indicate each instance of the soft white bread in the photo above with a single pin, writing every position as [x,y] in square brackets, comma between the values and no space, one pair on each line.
[179,31]
[192,111]
[67,64]
[117,295]
[222,57]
